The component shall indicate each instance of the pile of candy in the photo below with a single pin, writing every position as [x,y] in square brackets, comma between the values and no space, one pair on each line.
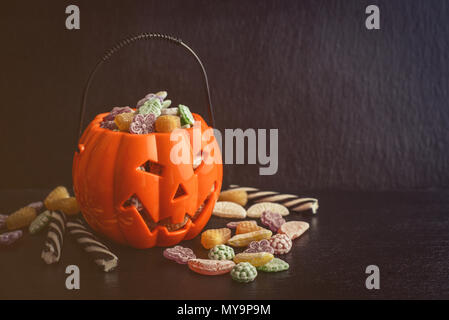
[152,114]
[260,244]
[52,214]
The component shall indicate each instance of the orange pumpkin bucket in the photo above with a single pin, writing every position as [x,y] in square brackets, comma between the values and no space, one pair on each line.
[113,169]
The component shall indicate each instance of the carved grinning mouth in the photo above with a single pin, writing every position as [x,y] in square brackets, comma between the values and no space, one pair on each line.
[136,203]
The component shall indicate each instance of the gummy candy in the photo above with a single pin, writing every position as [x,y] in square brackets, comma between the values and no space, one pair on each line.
[9,238]
[221,252]
[185,114]
[244,272]
[294,229]
[242,240]
[142,124]
[238,196]
[233,224]
[38,205]
[153,106]
[255,211]
[275,265]
[57,193]
[211,267]
[179,254]
[161,94]
[213,237]
[272,220]
[21,218]
[257,259]
[67,205]
[170,111]
[281,243]
[124,120]
[226,209]
[116,111]
[260,246]
[108,125]
[246,226]
[166,104]
[40,222]
[167,123]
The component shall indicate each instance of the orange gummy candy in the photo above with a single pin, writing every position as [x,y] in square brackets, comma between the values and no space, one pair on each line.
[167,123]
[124,120]
[212,237]
[247,226]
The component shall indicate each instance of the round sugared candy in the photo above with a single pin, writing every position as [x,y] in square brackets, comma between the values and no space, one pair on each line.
[244,272]
[281,243]
[179,254]
[211,267]
[260,246]
[272,220]
[142,124]
[221,252]
[275,265]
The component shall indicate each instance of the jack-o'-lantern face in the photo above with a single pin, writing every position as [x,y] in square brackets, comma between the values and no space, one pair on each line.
[129,189]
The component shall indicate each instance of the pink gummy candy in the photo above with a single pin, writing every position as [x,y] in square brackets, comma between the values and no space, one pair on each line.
[108,125]
[179,254]
[116,111]
[260,246]
[272,220]
[281,243]
[10,237]
[143,124]
[149,96]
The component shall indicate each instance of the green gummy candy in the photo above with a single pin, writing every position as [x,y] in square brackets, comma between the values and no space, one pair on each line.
[166,103]
[275,265]
[221,252]
[40,222]
[244,272]
[185,115]
[151,106]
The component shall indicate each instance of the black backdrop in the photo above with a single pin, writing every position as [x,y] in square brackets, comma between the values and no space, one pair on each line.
[356,109]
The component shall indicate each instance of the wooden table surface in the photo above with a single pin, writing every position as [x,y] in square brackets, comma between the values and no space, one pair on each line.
[406,234]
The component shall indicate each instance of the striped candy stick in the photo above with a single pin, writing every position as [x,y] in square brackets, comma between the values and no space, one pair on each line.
[100,253]
[55,238]
[291,201]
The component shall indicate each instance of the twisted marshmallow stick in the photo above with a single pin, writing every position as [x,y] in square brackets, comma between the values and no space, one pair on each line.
[55,238]
[291,201]
[101,254]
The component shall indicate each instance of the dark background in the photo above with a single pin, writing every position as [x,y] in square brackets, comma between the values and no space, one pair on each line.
[356,109]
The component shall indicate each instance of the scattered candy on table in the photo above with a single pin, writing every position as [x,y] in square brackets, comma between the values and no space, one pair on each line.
[67,205]
[237,196]
[211,267]
[179,254]
[256,210]
[227,209]
[233,224]
[55,238]
[213,237]
[38,206]
[56,194]
[242,240]
[246,227]
[221,252]
[20,218]
[272,220]
[275,265]
[260,246]
[98,251]
[9,238]
[257,259]
[244,272]
[40,222]
[281,243]
[294,229]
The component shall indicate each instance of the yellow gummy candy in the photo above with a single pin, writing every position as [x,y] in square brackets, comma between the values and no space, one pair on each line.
[57,193]
[124,120]
[167,123]
[67,205]
[212,237]
[256,259]
[247,226]
[21,218]
[244,239]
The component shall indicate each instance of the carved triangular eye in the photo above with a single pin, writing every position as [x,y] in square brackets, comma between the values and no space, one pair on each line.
[180,192]
[151,167]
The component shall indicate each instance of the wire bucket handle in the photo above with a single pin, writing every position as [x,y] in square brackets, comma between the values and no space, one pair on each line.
[126,42]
